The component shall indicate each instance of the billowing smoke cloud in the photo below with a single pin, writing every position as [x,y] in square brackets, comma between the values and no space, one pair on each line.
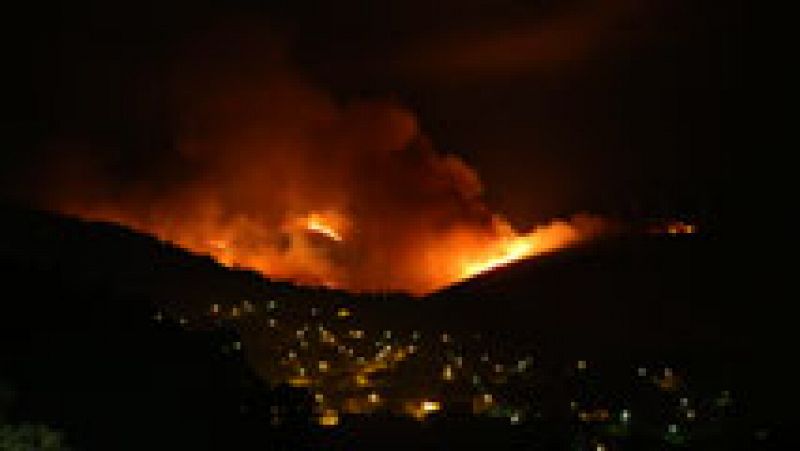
[269,172]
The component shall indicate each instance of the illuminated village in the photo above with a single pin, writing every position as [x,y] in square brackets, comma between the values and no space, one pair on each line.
[352,370]
[357,362]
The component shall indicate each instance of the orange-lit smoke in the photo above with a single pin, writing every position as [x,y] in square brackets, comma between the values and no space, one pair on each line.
[271,173]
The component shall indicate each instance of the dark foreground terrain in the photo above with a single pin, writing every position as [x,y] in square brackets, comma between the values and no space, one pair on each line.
[107,342]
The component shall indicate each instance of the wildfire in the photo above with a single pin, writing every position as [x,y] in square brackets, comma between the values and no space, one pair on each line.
[317,224]
[513,246]
[308,189]
[517,249]
[441,260]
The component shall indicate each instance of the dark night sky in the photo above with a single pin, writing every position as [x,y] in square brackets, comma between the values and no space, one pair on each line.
[561,106]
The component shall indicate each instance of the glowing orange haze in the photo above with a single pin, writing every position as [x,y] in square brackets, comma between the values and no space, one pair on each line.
[267,171]
[456,256]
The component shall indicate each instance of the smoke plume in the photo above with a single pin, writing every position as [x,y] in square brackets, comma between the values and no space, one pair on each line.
[265,170]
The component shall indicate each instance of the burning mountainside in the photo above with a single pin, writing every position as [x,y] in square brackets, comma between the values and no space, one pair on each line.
[310,249]
[268,172]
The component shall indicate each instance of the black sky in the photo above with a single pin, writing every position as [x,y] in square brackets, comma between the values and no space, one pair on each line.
[561,106]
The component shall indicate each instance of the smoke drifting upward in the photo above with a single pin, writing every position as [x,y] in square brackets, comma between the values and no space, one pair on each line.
[267,171]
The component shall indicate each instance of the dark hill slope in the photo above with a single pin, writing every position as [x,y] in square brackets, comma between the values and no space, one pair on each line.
[659,292]
[124,260]
[84,355]
[694,301]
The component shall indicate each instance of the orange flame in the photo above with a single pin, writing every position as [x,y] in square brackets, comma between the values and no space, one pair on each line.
[307,189]
[512,246]
[518,249]
[315,222]
[440,260]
